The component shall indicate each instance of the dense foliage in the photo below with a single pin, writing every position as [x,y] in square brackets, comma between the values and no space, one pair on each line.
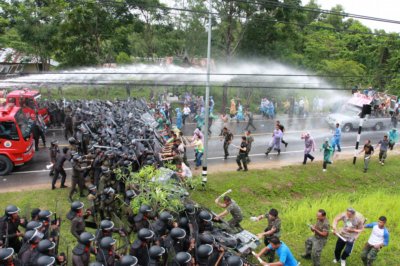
[89,32]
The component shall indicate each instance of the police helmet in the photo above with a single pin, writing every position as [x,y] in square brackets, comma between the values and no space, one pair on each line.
[234,261]
[11,209]
[77,157]
[92,187]
[183,258]
[96,263]
[189,209]
[107,242]
[128,260]
[35,213]
[71,140]
[109,190]
[77,205]
[145,209]
[130,194]
[156,251]
[177,233]
[6,253]
[33,225]
[145,234]
[207,239]
[204,251]
[33,236]
[54,142]
[165,216]
[45,245]
[45,261]
[106,225]
[183,222]
[205,216]
[105,169]
[86,237]
[44,215]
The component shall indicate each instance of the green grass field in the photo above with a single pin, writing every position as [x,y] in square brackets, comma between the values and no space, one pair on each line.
[296,191]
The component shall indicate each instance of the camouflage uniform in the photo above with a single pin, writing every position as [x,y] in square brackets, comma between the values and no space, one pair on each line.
[316,243]
[272,224]
[369,254]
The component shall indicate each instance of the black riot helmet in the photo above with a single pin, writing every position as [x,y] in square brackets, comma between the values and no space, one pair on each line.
[189,209]
[183,258]
[86,237]
[177,233]
[45,261]
[234,261]
[106,225]
[77,205]
[33,225]
[205,216]
[207,239]
[105,169]
[155,252]
[96,263]
[130,194]
[183,222]
[165,216]
[33,236]
[5,254]
[35,213]
[44,215]
[45,245]
[107,242]
[128,260]
[11,209]
[145,234]
[72,141]
[145,209]
[204,251]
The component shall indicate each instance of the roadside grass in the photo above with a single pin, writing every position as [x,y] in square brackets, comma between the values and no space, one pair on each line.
[296,191]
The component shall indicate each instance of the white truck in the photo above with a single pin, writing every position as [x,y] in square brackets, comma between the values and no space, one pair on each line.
[348,116]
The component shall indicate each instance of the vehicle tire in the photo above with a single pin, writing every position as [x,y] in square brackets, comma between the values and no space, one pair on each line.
[378,126]
[347,128]
[6,165]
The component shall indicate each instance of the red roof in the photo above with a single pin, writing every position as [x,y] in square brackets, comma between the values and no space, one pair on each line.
[25,92]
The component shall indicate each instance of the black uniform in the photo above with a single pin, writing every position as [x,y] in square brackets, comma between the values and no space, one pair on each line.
[250,121]
[140,250]
[81,255]
[77,226]
[8,232]
[68,131]
[242,157]
[59,170]
[38,133]
[54,151]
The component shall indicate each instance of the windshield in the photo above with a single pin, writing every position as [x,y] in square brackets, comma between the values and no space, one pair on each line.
[23,124]
[350,110]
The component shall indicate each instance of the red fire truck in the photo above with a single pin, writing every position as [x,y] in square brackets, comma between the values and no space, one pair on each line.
[28,100]
[16,142]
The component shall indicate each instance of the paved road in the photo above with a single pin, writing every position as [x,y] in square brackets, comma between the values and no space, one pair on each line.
[34,174]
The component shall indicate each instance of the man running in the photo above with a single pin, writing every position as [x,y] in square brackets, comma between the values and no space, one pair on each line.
[250,120]
[227,136]
[327,149]
[393,138]
[379,238]
[249,140]
[317,242]
[368,152]
[282,128]
[242,156]
[276,141]
[309,146]
[337,135]
[383,145]
[352,228]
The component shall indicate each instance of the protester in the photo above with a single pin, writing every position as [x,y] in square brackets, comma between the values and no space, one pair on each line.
[327,149]
[249,140]
[393,138]
[337,135]
[309,147]
[352,227]
[378,239]
[286,257]
[242,156]
[231,208]
[250,120]
[368,151]
[276,141]
[227,137]
[383,148]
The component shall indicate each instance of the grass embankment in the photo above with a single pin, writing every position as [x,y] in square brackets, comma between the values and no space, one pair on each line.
[296,191]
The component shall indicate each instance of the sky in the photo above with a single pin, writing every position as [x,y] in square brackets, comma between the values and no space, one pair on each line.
[388,9]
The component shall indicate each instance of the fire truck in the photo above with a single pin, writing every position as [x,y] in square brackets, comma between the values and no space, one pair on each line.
[16,141]
[28,100]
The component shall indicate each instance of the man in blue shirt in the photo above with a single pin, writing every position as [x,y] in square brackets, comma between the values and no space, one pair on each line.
[337,135]
[286,257]
[379,238]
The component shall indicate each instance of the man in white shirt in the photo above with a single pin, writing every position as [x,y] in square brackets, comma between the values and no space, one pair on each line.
[183,171]
[186,113]
[379,238]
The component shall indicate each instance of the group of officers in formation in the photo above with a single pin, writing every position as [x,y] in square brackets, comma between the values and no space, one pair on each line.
[105,136]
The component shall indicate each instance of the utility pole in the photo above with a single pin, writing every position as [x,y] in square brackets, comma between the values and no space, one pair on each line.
[207,99]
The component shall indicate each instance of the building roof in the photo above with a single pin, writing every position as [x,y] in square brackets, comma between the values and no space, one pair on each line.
[12,56]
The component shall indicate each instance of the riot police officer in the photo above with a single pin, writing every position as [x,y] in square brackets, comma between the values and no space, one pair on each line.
[106,253]
[77,218]
[156,254]
[9,228]
[140,248]
[81,252]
